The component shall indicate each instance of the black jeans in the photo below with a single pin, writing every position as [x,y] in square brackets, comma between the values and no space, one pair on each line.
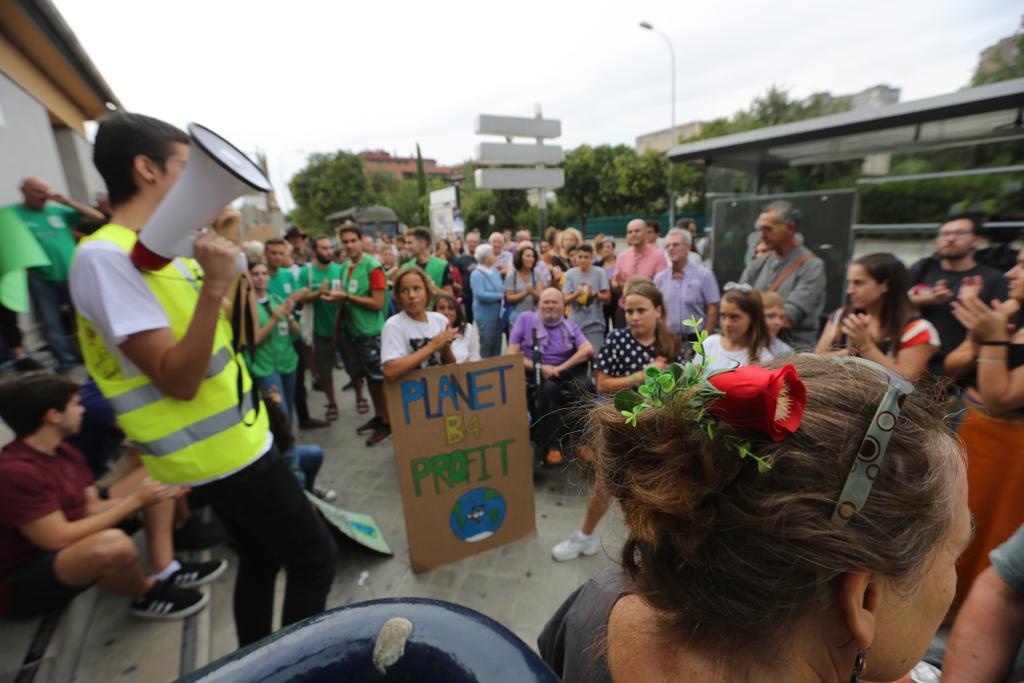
[301,408]
[269,518]
[558,416]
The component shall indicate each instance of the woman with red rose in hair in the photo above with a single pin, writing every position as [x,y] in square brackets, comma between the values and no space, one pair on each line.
[620,365]
[785,523]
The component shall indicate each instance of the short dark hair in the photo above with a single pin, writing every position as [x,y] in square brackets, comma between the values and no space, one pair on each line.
[275,241]
[654,225]
[323,237]
[586,246]
[350,227]
[422,234]
[122,137]
[517,257]
[25,400]
[976,219]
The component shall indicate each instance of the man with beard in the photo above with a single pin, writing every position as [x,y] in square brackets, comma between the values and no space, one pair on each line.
[322,276]
[935,281]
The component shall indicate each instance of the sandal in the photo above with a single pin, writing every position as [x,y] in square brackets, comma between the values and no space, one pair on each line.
[332,413]
[362,407]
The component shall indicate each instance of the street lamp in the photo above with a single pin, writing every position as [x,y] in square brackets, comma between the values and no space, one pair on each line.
[648,26]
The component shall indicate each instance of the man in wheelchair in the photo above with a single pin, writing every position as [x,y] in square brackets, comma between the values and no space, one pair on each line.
[555,352]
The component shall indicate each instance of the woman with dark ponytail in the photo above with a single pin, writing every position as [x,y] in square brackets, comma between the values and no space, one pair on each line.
[646,340]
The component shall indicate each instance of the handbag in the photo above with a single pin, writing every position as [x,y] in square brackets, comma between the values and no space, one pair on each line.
[306,315]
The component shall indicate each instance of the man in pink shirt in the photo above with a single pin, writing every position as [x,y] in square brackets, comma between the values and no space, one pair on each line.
[640,258]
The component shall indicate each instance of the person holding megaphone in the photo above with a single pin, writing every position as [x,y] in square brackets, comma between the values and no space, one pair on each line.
[161,349]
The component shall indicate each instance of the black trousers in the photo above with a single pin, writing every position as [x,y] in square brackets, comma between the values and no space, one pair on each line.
[273,525]
[9,328]
[301,407]
[558,415]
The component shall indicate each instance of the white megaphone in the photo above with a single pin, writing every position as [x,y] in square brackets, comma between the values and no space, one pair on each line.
[216,173]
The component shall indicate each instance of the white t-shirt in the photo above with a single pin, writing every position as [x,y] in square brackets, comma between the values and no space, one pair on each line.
[466,346]
[780,349]
[402,336]
[720,359]
[108,290]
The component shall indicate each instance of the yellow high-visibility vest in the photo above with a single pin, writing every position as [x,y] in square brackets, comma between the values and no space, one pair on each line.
[180,442]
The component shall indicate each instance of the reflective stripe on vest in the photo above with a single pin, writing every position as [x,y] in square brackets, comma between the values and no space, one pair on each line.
[179,442]
[197,431]
[140,397]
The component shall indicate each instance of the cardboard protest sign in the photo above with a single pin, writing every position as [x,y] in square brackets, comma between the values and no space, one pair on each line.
[462,448]
[360,528]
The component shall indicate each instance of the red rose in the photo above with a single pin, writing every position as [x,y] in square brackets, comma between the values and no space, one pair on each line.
[769,401]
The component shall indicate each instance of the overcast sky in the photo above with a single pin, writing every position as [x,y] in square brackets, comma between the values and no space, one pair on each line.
[304,76]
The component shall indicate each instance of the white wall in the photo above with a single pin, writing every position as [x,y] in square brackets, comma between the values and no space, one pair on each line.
[27,143]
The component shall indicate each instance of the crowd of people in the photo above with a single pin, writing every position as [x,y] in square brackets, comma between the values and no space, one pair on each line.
[198,380]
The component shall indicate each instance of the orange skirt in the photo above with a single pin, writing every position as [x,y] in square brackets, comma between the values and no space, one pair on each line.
[995,479]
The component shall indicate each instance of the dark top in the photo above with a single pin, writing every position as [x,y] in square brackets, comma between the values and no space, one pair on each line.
[621,354]
[33,485]
[466,264]
[924,275]
[573,642]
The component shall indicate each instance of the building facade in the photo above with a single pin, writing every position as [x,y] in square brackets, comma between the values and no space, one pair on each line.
[49,90]
[404,168]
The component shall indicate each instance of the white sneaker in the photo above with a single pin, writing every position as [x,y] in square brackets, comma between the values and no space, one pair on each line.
[326,495]
[574,546]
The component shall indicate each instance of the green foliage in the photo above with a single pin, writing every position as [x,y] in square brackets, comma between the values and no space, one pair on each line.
[1004,70]
[662,386]
[773,108]
[328,183]
[929,201]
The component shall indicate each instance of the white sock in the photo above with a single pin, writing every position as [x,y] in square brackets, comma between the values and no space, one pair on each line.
[167,571]
[582,536]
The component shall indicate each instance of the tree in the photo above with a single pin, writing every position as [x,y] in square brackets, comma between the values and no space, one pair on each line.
[421,176]
[641,182]
[1002,69]
[328,183]
[581,190]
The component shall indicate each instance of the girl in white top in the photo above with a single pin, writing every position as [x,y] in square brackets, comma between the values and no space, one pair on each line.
[744,338]
[466,346]
[414,337]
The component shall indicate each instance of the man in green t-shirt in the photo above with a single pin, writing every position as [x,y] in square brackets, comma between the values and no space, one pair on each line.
[360,321]
[283,284]
[418,241]
[50,217]
[322,276]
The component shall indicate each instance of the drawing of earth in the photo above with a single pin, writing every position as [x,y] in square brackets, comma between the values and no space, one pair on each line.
[478,514]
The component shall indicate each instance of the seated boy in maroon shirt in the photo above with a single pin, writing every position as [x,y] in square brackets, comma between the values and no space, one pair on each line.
[57,536]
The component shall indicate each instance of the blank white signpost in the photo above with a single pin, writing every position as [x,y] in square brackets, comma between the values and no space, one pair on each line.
[513,161]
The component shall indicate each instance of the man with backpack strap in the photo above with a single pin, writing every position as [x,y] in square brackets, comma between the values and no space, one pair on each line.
[793,271]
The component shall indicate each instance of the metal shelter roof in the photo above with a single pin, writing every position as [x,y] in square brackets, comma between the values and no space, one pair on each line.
[987,113]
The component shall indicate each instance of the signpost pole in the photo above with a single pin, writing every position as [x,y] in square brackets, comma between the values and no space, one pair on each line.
[542,195]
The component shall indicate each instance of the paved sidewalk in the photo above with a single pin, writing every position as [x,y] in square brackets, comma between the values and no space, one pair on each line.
[519,585]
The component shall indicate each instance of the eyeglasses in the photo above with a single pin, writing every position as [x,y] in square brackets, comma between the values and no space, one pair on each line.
[745,288]
[868,463]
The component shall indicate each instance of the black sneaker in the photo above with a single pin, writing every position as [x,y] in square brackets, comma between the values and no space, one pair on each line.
[382,433]
[164,601]
[313,423]
[316,385]
[370,425]
[195,574]
[28,364]
[198,535]
[348,387]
